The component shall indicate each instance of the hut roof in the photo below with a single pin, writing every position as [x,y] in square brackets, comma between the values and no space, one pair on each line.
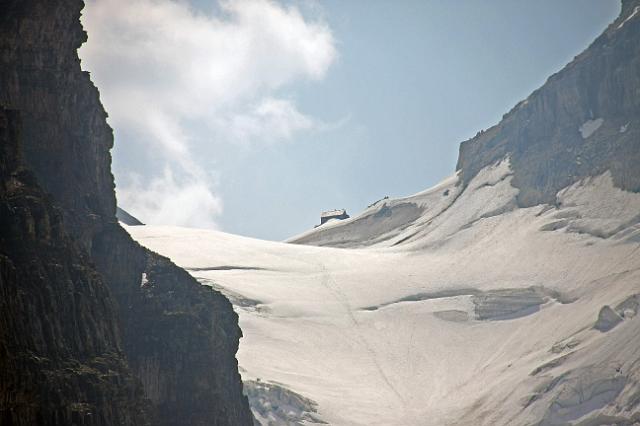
[331,213]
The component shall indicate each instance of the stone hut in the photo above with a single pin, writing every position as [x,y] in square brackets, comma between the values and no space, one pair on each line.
[340,214]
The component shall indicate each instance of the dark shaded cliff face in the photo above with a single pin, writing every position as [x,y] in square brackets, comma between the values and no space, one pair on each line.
[61,360]
[179,338]
[582,122]
[66,139]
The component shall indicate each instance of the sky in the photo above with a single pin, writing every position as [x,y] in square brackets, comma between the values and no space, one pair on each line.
[254,116]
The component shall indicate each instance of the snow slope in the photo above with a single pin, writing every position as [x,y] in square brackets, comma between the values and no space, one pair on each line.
[462,309]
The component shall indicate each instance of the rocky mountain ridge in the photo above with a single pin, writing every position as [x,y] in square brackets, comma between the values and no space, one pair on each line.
[62,360]
[582,122]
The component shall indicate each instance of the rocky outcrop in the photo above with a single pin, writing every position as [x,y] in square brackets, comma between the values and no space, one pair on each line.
[66,139]
[180,337]
[276,405]
[61,358]
[124,217]
[177,337]
[607,319]
[582,122]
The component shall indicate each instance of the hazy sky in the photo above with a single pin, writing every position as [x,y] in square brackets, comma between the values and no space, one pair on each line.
[253,116]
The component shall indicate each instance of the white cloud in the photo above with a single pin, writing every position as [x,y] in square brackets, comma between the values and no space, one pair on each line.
[274,119]
[162,67]
[168,199]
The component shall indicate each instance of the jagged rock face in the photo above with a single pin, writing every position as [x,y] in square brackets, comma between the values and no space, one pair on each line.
[179,338]
[66,139]
[582,122]
[61,361]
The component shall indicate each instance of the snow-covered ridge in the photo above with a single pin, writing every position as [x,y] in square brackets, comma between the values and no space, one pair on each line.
[393,222]
[386,221]
[474,312]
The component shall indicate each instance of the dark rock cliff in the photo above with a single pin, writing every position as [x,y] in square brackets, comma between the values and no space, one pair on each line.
[582,122]
[61,358]
[177,338]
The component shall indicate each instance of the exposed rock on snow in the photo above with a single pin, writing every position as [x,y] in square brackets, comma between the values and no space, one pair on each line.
[276,405]
[443,294]
[594,206]
[581,392]
[452,315]
[238,300]
[551,364]
[628,308]
[541,135]
[490,305]
[507,303]
[607,319]
[565,345]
